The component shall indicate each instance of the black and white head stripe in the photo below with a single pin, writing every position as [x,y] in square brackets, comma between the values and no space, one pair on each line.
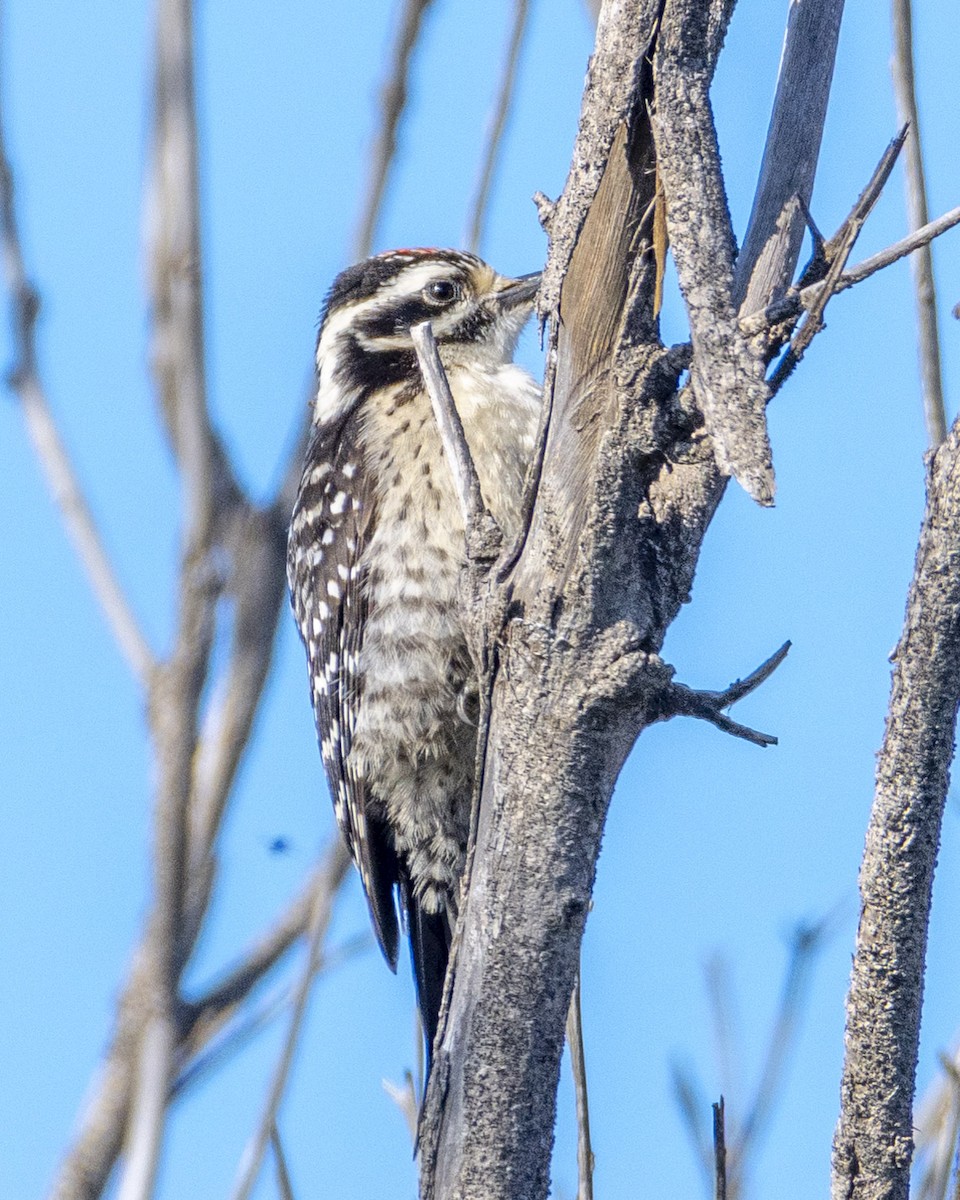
[364,340]
[364,279]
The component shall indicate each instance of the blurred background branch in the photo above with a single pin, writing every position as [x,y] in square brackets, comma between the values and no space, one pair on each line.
[393,103]
[480,204]
[743,1133]
[921,262]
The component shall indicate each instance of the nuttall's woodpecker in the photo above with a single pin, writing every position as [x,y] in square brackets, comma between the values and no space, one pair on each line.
[375,551]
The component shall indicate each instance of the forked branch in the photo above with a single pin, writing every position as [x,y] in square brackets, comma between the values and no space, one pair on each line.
[830,260]
[709,706]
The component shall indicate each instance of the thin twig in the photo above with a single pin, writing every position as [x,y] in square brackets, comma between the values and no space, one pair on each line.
[404,1095]
[481,531]
[719,1153]
[255,541]
[796,301]
[716,973]
[913,241]
[691,1104]
[226,1042]
[24,380]
[209,1011]
[219,1044]
[256,1147]
[498,126]
[585,1159]
[284,1186]
[807,942]
[834,255]
[925,291]
[174,256]
[393,103]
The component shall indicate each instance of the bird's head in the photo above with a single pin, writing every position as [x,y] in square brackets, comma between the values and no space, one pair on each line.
[364,341]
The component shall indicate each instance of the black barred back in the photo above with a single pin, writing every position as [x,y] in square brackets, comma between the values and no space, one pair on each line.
[331,524]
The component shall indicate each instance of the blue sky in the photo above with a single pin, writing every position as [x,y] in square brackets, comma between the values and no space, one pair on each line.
[712,845]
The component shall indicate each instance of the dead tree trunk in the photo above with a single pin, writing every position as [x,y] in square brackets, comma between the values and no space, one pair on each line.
[633,462]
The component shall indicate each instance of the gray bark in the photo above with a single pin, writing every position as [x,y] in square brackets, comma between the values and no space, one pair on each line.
[570,622]
[873,1144]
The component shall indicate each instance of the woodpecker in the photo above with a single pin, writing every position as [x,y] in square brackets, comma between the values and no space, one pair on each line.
[375,549]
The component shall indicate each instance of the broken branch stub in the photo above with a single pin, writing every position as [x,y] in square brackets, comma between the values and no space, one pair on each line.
[727,373]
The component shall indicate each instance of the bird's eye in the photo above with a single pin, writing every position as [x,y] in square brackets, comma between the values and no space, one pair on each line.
[441,291]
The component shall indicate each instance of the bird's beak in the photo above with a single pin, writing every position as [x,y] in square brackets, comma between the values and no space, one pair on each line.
[518,292]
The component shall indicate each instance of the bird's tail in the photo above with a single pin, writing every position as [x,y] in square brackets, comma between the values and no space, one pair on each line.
[430,935]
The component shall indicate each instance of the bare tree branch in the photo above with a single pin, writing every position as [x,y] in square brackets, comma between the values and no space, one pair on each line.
[240,1027]
[173,224]
[498,127]
[226,545]
[727,373]
[257,1146]
[740,1143]
[209,1011]
[483,1130]
[680,700]
[796,301]
[874,1138]
[284,1185]
[174,703]
[24,379]
[607,98]
[256,584]
[884,258]
[925,291]
[807,942]
[578,1067]
[393,103]
[830,260]
[86,1168]
[147,1119]
[776,227]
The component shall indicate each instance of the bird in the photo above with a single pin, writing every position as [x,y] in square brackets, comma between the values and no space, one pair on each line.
[375,550]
